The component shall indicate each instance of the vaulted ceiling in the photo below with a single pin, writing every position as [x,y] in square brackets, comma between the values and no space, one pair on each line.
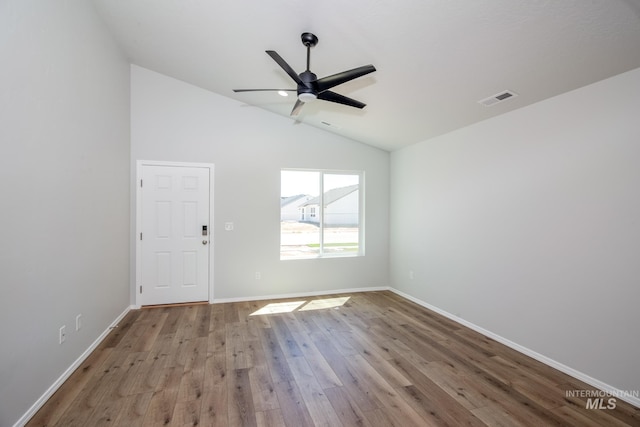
[435,59]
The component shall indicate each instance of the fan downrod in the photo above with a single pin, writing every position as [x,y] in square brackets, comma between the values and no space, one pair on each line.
[309,40]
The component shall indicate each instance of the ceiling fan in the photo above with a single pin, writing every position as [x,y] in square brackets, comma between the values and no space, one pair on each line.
[310,87]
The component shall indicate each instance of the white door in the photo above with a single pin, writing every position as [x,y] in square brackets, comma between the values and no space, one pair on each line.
[174,239]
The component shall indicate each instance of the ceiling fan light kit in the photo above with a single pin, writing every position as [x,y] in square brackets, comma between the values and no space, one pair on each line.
[310,87]
[307,97]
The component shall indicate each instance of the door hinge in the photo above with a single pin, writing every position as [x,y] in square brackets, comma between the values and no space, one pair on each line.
[140,288]
[140,236]
[140,183]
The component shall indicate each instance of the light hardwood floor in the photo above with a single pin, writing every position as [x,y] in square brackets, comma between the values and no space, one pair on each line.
[360,359]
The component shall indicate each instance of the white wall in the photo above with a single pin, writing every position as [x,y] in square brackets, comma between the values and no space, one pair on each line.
[174,121]
[528,225]
[64,168]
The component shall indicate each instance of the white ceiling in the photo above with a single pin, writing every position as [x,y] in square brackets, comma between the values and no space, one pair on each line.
[435,58]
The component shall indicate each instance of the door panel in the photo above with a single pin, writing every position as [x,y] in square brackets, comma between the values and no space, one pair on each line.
[174,253]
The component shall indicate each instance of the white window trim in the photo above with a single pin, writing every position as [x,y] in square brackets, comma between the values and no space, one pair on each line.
[320,212]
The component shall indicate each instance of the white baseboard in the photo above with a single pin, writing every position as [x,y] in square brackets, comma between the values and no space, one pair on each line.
[619,394]
[299,295]
[66,374]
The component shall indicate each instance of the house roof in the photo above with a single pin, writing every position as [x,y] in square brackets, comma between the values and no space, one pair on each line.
[435,59]
[284,201]
[333,195]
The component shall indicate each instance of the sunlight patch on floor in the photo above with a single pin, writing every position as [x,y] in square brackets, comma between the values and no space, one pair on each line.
[278,307]
[290,306]
[325,303]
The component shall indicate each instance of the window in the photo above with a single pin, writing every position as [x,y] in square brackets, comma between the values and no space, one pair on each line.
[320,214]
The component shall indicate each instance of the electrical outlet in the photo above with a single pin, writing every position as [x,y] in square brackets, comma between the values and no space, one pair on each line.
[411,275]
[258,275]
[63,333]
[78,322]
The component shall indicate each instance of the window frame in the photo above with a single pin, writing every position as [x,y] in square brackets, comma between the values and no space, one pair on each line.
[320,212]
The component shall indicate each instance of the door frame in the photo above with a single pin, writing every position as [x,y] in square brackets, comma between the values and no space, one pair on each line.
[139,165]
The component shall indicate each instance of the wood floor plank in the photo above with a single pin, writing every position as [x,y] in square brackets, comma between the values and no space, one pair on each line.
[271,418]
[214,410]
[215,370]
[137,330]
[122,382]
[235,345]
[203,320]
[106,412]
[231,313]
[186,414]
[360,306]
[430,400]
[187,323]
[275,357]
[429,406]
[216,316]
[149,372]
[170,325]
[217,339]
[343,344]
[133,410]
[121,329]
[89,398]
[328,322]
[379,363]
[462,388]
[163,400]
[417,323]
[292,407]
[192,381]
[382,418]
[154,324]
[285,337]
[376,385]
[70,390]
[574,417]
[306,319]
[360,359]
[496,416]
[320,409]
[350,378]
[325,375]
[346,408]
[400,338]
[263,389]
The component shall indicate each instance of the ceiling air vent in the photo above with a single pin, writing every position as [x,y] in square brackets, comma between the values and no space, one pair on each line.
[498,97]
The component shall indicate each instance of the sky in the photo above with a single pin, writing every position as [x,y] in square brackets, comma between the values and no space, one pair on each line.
[307,182]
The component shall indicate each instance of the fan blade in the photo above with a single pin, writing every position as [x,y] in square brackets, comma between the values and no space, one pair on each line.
[297,107]
[340,99]
[336,79]
[264,90]
[283,64]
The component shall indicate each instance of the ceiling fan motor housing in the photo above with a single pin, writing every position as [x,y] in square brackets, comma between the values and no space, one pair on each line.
[309,90]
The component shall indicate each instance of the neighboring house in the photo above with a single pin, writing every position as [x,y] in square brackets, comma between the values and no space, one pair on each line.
[290,206]
[341,207]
